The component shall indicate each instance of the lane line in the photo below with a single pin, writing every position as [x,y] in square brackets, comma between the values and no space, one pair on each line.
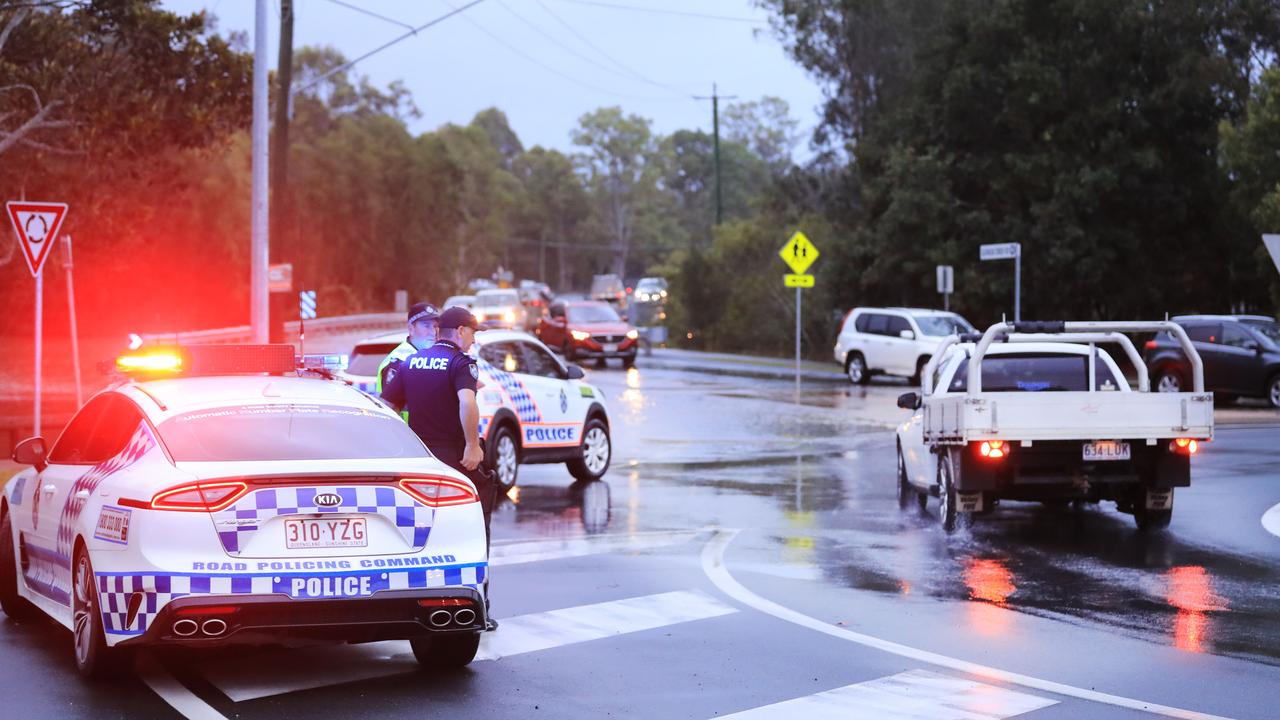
[539,550]
[279,672]
[1271,520]
[714,567]
[911,695]
[175,693]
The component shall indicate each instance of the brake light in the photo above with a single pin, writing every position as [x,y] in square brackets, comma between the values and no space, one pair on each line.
[1150,345]
[198,496]
[994,449]
[439,491]
[1185,446]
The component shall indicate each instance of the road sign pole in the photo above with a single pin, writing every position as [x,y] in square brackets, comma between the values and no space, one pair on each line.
[797,345]
[71,307]
[258,296]
[39,348]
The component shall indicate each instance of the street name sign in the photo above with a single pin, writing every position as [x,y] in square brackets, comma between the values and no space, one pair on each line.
[797,281]
[798,253]
[280,278]
[1000,251]
[36,225]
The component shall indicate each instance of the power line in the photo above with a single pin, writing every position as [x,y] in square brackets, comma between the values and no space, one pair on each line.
[371,13]
[602,53]
[661,11]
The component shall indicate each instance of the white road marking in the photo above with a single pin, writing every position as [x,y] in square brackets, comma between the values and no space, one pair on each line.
[714,567]
[912,695]
[1271,520]
[555,549]
[279,672]
[174,692]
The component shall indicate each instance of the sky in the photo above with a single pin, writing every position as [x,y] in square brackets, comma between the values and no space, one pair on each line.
[546,63]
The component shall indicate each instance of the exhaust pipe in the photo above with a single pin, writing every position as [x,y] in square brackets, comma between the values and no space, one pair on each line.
[465,616]
[439,618]
[185,627]
[213,627]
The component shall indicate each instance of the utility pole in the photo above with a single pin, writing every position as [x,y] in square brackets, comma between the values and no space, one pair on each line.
[282,302]
[258,305]
[715,129]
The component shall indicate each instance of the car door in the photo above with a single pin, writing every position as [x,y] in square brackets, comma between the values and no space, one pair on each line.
[900,352]
[545,377]
[875,350]
[1207,339]
[1241,367]
[552,327]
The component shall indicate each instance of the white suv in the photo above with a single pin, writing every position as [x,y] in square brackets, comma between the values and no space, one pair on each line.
[892,341]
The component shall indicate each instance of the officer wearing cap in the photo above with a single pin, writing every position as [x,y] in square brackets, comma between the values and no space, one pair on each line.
[422,335]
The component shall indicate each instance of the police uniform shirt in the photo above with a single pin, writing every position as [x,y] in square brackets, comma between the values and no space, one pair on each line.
[427,385]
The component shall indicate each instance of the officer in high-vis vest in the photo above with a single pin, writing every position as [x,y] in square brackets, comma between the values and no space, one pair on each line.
[422,335]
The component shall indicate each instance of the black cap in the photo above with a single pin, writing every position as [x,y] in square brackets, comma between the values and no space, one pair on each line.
[422,311]
[456,317]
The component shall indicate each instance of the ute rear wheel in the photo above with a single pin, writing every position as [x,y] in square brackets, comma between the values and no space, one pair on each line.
[446,651]
[948,510]
[905,490]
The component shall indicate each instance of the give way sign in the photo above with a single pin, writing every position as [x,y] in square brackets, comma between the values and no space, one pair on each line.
[37,225]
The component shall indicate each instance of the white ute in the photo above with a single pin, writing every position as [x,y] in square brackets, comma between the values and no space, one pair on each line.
[1024,414]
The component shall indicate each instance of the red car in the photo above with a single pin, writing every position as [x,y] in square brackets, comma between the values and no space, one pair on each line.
[589,329]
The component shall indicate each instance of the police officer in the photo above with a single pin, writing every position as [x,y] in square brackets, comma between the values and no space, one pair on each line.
[422,335]
[437,385]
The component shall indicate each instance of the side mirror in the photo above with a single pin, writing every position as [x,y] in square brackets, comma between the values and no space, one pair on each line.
[907,335]
[575,373]
[909,401]
[31,452]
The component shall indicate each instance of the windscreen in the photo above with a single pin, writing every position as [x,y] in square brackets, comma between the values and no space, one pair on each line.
[366,358]
[288,432]
[1268,329]
[498,299]
[943,325]
[1035,372]
[592,314]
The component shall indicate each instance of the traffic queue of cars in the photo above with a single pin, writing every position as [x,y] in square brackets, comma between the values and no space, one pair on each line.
[220,495]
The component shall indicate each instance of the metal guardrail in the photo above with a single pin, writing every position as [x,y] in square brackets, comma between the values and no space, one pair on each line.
[243,333]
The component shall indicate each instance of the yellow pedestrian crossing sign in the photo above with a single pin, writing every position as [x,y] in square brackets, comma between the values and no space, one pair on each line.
[797,281]
[799,253]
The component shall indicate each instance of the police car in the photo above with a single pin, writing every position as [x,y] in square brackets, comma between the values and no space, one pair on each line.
[223,497]
[533,407]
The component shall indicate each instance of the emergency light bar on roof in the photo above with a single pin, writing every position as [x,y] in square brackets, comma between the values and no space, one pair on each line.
[210,360]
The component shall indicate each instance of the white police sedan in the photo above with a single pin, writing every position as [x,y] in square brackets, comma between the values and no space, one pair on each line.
[533,407]
[225,499]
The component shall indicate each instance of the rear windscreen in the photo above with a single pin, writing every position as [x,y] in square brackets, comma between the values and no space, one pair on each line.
[366,358]
[288,432]
[1035,372]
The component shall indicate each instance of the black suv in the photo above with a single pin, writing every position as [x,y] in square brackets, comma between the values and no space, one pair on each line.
[1241,355]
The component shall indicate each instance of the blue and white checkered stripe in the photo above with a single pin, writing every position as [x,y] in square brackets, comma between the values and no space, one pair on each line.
[521,401]
[238,523]
[140,444]
[160,589]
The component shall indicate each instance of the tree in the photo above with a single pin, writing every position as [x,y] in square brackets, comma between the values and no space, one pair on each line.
[494,123]
[618,159]
[555,211]
[766,127]
[1253,169]
[688,176]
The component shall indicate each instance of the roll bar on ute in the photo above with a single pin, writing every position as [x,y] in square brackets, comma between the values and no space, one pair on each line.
[1082,332]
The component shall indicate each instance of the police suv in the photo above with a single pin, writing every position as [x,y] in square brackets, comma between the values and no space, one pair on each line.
[533,407]
[222,496]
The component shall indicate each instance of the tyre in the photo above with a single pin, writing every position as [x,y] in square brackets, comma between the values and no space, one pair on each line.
[915,379]
[597,451]
[948,513]
[628,362]
[446,651]
[1273,391]
[856,368]
[904,488]
[503,457]
[93,658]
[566,351]
[1168,380]
[1151,520]
[13,604]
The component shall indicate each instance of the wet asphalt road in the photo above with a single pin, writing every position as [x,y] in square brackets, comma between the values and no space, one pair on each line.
[746,550]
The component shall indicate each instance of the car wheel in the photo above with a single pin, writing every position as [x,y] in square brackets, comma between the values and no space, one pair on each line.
[504,457]
[93,658]
[915,379]
[1169,381]
[1273,392]
[904,488]
[446,651]
[856,368]
[629,362]
[13,604]
[597,451]
[1151,520]
[947,511]
[567,351]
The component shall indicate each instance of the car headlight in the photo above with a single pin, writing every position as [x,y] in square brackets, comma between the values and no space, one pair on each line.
[633,334]
[580,335]
[509,316]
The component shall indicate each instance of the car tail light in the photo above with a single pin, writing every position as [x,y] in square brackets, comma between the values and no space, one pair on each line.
[200,496]
[1149,345]
[439,491]
[994,449]
[1184,446]
[208,610]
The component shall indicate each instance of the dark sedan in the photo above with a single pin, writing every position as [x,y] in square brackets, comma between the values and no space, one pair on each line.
[1241,355]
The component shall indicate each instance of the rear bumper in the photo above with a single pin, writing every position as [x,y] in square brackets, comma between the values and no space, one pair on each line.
[270,619]
[1057,470]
